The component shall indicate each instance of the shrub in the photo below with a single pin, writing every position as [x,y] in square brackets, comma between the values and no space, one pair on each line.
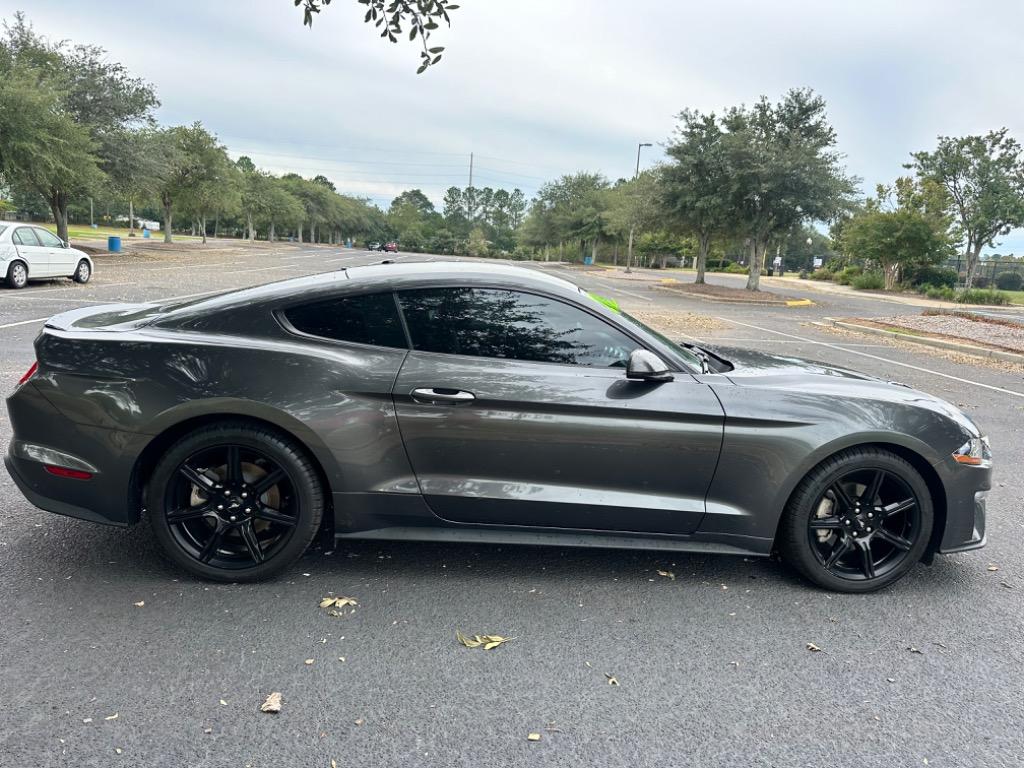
[868,281]
[846,276]
[803,274]
[718,266]
[822,274]
[1009,281]
[736,269]
[929,274]
[981,282]
[982,296]
[942,292]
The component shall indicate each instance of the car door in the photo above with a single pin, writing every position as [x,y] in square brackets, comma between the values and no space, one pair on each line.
[29,248]
[515,410]
[62,260]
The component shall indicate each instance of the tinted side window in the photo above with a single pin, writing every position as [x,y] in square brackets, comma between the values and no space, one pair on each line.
[509,324]
[371,319]
[24,236]
[48,239]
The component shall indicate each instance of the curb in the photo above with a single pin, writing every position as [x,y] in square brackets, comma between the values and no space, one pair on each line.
[969,349]
[721,300]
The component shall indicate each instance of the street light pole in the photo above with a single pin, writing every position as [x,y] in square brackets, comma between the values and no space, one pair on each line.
[632,226]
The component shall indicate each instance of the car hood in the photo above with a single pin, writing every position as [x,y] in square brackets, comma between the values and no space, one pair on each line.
[810,378]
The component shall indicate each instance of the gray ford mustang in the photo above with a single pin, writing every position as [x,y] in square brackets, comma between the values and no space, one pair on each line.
[486,403]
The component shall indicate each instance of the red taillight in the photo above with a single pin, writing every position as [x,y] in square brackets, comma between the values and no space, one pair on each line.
[74,474]
[29,373]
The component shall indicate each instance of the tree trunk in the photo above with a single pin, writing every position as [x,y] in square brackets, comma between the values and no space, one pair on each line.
[270,235]
[216,225]
[629,252]
[168,216]
[131,218]
[300,232]
[973,257]
[249,235]
[312,233]
[703,246]
[758,247]
[615,254]
[202,223]
[593,251]
[58,201]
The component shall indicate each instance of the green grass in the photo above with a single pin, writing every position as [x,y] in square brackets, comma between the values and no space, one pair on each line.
[79,232]
[1016,297]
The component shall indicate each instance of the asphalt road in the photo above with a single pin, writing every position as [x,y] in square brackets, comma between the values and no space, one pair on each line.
[712,666]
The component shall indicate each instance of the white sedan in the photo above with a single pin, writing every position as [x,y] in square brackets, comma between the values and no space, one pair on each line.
[33,253]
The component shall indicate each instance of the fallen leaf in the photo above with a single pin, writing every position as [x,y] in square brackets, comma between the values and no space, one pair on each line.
[993,567]
[912,649]
[86,719]
[338,602]
[139,604]
[612,680]
[360,721]
[341,658]
[488,642]
[272,704]
[111,717]
[118,750]
[667,574]
[307,662]
[813,648]
[533,737]
[223,703]
[207,730]
[334,764]
[890,679]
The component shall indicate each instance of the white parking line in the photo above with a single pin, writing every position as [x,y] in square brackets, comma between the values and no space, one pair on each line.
[262,269]
[616,289]
[873,357]
[25,322]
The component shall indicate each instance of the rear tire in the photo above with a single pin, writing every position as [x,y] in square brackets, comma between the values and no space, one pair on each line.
[234,502]
[858,522]
[82,272]
[17,275]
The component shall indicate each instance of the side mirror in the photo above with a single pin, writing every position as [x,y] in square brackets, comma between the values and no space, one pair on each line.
[647,366]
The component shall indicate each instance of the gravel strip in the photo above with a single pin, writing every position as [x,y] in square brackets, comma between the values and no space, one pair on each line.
[963,328]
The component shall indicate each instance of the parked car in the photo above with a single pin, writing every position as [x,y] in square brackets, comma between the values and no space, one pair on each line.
[374,246]
[484,403]
[390,247]
[33,253]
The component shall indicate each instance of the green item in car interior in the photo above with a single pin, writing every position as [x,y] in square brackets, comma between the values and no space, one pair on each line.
[612,304]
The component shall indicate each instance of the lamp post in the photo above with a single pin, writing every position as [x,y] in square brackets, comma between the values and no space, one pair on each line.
[632,226]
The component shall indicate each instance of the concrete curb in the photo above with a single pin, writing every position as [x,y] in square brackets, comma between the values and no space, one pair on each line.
[720,300]
[969,349]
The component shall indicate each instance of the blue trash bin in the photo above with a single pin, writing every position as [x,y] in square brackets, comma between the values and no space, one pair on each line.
[114,244]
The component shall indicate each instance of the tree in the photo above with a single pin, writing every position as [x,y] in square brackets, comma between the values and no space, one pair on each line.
[421,17]
[256,194]
[632,208]
[783,170]
[695,185]
[137,166]
[570,208]
[200,177]
[984,178]
[281,207]
[97,95]
[903,225]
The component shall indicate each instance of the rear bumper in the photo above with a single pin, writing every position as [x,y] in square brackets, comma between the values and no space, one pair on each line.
[105,497]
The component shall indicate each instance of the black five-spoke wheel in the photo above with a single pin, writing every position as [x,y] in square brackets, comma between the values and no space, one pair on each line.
[858,521]
[235,502]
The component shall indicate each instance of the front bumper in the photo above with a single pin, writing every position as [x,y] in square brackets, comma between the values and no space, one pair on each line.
[966,496]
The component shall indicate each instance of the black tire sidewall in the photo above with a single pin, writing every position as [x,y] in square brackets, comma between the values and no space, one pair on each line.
[10,276]
[285,453]
[78,268]
[795,545]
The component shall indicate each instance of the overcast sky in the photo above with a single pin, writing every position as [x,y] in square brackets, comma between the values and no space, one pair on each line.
[537,88]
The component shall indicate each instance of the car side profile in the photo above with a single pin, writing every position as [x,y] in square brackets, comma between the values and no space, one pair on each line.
[33,253]
[479,402]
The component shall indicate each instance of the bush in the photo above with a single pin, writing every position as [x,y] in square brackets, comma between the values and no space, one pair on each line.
[1009,281]
[982,296]
[846,276]
[981,282]
[803,274]
[736,269]
[718,266]
[929,275]
[822,274]
[868,281]
[942,292]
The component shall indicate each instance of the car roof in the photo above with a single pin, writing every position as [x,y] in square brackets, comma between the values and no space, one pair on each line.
[382,276]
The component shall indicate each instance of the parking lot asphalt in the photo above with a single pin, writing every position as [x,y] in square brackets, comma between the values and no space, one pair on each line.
[108,656]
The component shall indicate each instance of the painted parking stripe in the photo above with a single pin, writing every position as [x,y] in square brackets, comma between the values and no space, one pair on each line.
[841,348]
[616,289]
[26,322]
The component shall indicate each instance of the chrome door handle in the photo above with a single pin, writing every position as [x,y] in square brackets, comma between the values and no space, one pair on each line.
[442,395]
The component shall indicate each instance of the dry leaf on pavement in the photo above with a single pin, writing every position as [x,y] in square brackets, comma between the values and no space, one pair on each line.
[667,574]
[612,680]
[272,704]
[139,604]
[533,737]
[813,648]
[488,642]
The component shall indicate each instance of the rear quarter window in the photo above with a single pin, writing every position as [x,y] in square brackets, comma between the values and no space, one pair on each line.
[370,319]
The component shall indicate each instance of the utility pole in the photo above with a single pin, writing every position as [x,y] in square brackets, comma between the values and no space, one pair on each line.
[632,226]
[92,222]
[471,169]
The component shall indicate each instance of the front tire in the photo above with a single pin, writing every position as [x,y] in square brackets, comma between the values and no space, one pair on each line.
[858,522]
[17,275]
[82,272]
[234,502]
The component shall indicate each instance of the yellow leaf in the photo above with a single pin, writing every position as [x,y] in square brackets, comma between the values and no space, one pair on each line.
[308,662]
[612,680]
[493,644]
[139,604]
[667,574]
[360,721]
[272,704]
[533,737]
[334,764]
[468,642]
[327,602]
[111,717]
[813,648]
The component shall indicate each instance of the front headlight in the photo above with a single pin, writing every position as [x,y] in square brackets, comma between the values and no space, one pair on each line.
[975,452]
